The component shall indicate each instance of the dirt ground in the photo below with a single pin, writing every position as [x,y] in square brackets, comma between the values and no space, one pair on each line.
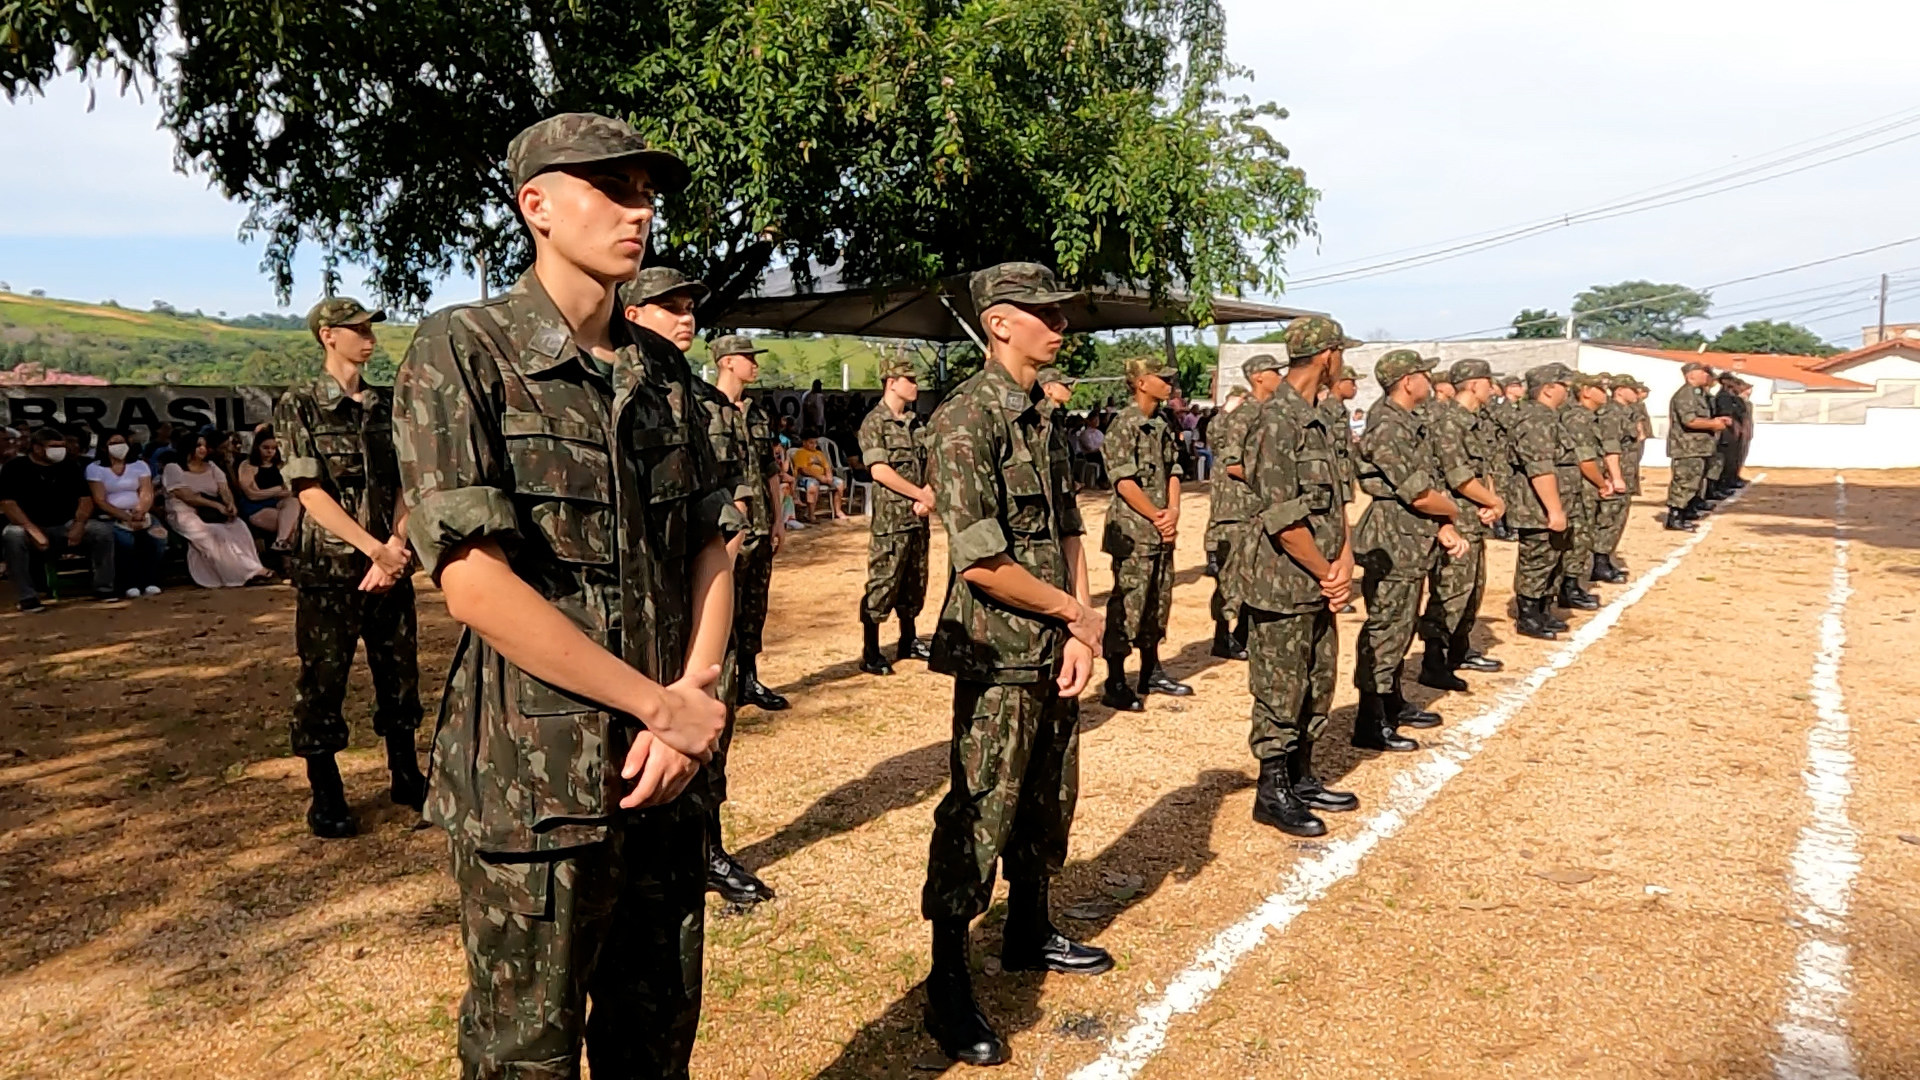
[1604,890]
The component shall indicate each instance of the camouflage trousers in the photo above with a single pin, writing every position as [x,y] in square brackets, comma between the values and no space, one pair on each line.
[1015,764]
[1141,601]
[619,925]
[1610,523]
[896,575]
[1581,519]
[1542,559]
[1230,552]
[328,623]
[1392,594]
[752,577]
[1455,588]
[1291,664]
[1689,479]
[1717,464]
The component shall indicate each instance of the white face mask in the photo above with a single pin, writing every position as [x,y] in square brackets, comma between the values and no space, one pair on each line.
[118,451]
[56,454]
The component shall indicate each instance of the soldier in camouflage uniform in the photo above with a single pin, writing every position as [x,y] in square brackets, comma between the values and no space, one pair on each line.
[1499,412]
[1583,509]
[1143,465]
[1297,571]
[893,446]
[1614,426]
[560,498]
[661,303]
[1541,463]
[766,530]
[1730,452]
[1337,408]
[350,564]
[1692,432]
[1229,512]
[1017,633]
[1399,535]
[1467,449]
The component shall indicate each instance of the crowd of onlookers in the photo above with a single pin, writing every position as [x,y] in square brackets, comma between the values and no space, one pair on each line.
[128,506]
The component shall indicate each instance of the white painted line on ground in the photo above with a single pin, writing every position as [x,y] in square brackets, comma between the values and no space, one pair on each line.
[1813,1035]
[1309,880]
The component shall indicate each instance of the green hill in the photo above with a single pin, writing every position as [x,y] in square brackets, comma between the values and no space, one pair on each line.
[165,346]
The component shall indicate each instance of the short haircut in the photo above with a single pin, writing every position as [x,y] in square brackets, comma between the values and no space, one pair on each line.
[48,434]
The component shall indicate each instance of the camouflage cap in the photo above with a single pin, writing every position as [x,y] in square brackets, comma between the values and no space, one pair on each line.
[1463,370]
[1311,335]
[341,311]
[899,367]
[1348,373]
[1515,379]
[1156,366]
[1546,375]
[1050,375]
[1694,365]
[1261,361]
[583,138]
[1440,374]
[1016,283]
[1398,364]
[733,345]
[657,283]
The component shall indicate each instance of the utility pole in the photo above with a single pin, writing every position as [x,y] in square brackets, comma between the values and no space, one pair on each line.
[1570,319]
[480,268]
[1881,335]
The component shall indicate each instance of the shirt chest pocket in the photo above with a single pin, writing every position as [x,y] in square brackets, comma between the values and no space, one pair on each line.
[665,460]
[724,439]
[564,476]
[340,454]
[906,449]
[1027,508]
[1318,476]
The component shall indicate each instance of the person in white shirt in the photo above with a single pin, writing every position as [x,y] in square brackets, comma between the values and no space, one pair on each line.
[122,487]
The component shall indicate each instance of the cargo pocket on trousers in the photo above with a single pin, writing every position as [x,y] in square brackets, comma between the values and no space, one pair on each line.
[563,743]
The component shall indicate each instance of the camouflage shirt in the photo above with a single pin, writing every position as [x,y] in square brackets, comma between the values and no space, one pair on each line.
[1689,403]
[1143,449]
[1339,424]
[345,446]
[1536,445]
[590,480]
[729,440]
[1000,489]
[902,443]
[1465,447]
[1397,466]
[1583,427]
[1231,500]
[1290,466]
[1618,431]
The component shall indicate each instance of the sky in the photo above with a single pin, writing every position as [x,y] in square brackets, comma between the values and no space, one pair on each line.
[1419,122]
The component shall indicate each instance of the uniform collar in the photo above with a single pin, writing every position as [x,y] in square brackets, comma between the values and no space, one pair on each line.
[1008,394]
[1292,399]
[550,343]
[328,393]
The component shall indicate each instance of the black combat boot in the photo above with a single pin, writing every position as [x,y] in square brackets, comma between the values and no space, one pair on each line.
[408,788]
[1033,943]
[1213,563]
[756,693]
[1437,672]
[1404,713]
[328,815]
[911,647]
[1462,656]
[1678,521]
[1155,681]
[1372,730]
[1308,787]
[1276,804]
[1573,597]
[1224,645]
[1532,620]
[1604,570]
[735,883]
[872,660]
[952,1018]
[1119,693]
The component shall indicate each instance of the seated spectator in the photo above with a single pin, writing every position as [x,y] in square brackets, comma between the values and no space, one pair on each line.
[122,489]
[815,474]
[221,553]
[49,511]
[266,501]
[160,448]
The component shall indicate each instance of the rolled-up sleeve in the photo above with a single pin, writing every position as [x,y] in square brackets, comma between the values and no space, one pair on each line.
[1394,453]
[715,515]
[965,492]
[1121,453]
[1537,449]
[1272,474]
[1448,438]
[447,440]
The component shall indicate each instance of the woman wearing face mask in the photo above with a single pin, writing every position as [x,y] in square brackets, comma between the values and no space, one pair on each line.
[266,501]
[122,487]
[221,554]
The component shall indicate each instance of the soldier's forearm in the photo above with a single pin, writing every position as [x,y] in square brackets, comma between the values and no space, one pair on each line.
[1591,470]
[1008,582]
[1613,472]
[712,605]
[331,516]
[1076,554]
[1297,541]
[1135,496]
[1548,488]
[1434,503]
[890,478]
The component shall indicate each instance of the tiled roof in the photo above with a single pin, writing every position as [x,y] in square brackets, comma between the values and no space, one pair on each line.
[1798,369]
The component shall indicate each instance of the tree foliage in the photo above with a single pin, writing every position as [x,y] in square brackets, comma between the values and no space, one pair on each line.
[1641,312]
[909,138]
[1768,336]
[1538,323]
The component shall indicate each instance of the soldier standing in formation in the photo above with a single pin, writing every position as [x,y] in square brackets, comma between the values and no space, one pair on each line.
[1542,467]
[766,531]
[1017,633]
[350,565]
[1337,406]
[1614,427]
[1467,448]
[1298,572]
[1692,435]
[1730,451]
[893,445]
[1229,511]
[1143,465]
[1409,520]
[1590,486]
[576,530]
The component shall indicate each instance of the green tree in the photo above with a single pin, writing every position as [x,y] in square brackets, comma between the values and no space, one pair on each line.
[1538,323]
[1641,312]
[909,139]
[1768,336]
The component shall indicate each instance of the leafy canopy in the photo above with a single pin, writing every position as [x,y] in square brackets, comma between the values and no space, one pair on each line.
[1640,312]
[1768,336]
[1538,323]
[911,138]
